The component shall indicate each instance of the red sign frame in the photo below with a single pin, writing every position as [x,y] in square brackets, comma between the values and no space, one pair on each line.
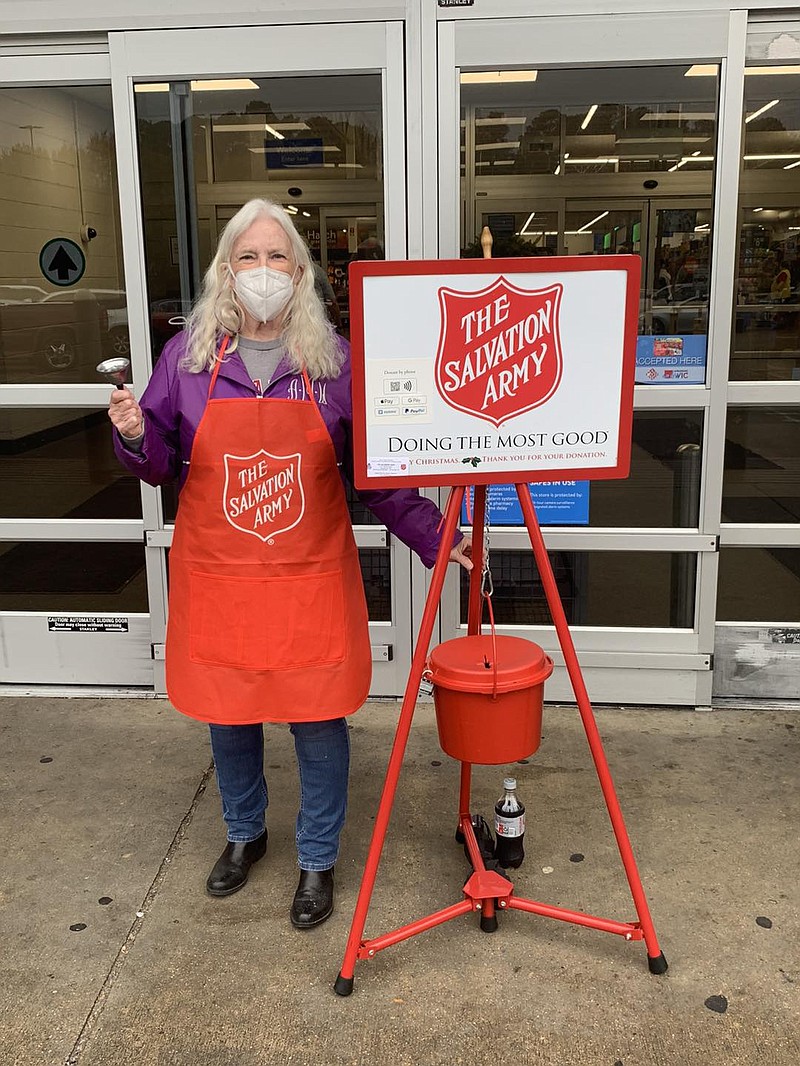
[363,269]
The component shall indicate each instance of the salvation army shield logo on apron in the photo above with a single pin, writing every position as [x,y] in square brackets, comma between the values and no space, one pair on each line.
[263,493]
[499,349]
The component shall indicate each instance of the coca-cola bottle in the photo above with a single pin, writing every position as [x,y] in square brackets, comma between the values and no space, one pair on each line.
[509,826]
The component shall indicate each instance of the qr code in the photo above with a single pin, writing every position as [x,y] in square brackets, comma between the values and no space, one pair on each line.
[394,386]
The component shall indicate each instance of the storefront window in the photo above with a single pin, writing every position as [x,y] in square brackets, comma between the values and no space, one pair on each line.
[376,571]
[206,147]
[62,293]
[591,121]
[766,336]
[759,585]
[77,577]
[662,489]
[601,162]
[639,589]
[60,463]
[762,455]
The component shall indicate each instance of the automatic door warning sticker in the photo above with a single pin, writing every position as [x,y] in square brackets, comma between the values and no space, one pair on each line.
[263,493]
[499,349]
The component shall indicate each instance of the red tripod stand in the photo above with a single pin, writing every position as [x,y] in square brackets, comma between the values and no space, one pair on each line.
[487,891]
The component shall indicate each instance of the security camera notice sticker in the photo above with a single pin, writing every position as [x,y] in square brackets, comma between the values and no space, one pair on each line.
[86,623]
[383,467]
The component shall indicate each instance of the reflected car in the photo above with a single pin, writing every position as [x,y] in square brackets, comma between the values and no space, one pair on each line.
[167,317]
[46,333]
[679,309]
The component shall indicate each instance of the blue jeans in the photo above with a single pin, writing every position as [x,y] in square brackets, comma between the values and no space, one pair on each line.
[323,756]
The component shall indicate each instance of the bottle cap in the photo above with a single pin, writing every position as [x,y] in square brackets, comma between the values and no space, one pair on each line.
[509,783]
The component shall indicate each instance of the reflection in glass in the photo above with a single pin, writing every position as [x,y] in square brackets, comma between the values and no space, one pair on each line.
[633,589]
[601,121]
[376,572]
[761,480]
[255,137]
[517,233]
[766,338]
[59,576]
[583,134]
[62,308]
[60,463]
[663,489]
[759,585]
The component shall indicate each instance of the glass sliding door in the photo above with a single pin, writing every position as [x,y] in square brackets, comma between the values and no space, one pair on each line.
[314,128]
[73,589]
[563,153]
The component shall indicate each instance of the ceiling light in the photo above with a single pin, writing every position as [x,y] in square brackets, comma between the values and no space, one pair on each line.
[761,110]
[558,169]
[706,71]
[504,120]
[498,77]
[758,208]
[784,155]
[524,231]
[791,166]
[589,116]
[290,208]
[215,85]
[496,144]
[306,214]
[291,147]
[222,85]
[679,116]
[772,70]
[702,70]
[583,229]
[597,159]
[247,127]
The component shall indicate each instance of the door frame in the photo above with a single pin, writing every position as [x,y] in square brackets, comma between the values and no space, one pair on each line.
[621,664]
[85,662]
[179,55]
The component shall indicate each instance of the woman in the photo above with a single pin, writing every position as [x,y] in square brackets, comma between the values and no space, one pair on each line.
[249,409]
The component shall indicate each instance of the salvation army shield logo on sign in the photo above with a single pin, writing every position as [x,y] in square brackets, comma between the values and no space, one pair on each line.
[263,493]
[499,349]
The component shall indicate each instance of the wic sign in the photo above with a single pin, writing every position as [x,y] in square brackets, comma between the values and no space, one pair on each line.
[493,370]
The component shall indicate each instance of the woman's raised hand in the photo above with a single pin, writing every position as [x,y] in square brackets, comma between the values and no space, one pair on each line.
[125,413]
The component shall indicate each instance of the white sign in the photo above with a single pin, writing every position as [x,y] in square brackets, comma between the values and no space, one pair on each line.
[480,371]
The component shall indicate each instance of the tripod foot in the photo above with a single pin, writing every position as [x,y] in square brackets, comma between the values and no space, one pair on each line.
[488,925]
[657,964]
[343,986]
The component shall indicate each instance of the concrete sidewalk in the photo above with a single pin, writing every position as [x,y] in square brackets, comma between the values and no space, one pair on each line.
[112,954]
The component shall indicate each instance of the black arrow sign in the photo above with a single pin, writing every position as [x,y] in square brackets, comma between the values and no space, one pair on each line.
[62,263]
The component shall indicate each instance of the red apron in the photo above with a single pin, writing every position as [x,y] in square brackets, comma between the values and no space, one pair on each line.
[267,615]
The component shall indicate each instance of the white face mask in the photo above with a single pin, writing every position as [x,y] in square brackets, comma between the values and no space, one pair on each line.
[263,291]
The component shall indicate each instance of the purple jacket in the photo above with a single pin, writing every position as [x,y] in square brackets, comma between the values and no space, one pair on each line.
[174,402]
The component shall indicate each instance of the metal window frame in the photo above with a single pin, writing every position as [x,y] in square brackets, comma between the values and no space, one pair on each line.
[369,47]
[592,40]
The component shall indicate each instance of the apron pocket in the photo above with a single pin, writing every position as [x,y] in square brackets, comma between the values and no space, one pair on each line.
[278,623]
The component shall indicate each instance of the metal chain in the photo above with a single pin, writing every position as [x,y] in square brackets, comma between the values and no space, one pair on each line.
[487,585]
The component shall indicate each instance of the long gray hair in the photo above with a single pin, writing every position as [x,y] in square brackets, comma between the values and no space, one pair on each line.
[310,339]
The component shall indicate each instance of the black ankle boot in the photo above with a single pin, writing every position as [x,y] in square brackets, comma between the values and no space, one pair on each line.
[313,900]
[233,866]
